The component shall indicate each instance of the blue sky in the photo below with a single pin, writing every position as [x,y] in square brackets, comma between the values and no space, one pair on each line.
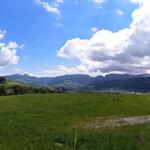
[43,33]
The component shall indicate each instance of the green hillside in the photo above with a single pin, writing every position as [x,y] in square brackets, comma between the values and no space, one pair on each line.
[10,83]
[9,87]
[50,121]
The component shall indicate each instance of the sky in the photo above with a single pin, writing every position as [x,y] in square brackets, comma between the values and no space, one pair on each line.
[59,37]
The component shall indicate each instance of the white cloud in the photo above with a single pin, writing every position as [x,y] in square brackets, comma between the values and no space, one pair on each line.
[59,70]
[119,12]
[59,1]
[52,8]
[125,51]
[99,1]
[17,70]
[2,34]
[55,6]
[8,52]
[94,29]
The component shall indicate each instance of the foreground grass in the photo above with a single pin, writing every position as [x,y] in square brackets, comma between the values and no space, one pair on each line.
[46,122]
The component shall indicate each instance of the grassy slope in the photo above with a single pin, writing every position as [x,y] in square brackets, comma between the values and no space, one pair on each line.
[44,122]
[9,83]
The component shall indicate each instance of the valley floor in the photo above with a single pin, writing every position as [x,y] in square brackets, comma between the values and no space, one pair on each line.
[52,121]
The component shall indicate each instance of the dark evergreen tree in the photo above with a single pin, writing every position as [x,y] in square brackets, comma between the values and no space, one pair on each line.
[2,79]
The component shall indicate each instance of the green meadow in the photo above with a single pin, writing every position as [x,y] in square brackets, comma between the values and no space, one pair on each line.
[50,122]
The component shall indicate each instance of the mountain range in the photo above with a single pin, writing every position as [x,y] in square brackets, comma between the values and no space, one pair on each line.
[111,82]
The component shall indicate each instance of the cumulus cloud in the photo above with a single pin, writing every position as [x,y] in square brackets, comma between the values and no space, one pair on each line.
[125,51]
[8,52]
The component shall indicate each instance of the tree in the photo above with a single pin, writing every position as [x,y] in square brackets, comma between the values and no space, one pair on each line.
[2,79]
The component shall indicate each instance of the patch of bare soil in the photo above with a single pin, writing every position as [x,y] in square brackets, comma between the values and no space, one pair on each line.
[115,122]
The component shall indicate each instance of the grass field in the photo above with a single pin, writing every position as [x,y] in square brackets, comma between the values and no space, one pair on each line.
[50,121]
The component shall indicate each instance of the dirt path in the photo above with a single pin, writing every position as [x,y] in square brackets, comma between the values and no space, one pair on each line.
[113,122]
